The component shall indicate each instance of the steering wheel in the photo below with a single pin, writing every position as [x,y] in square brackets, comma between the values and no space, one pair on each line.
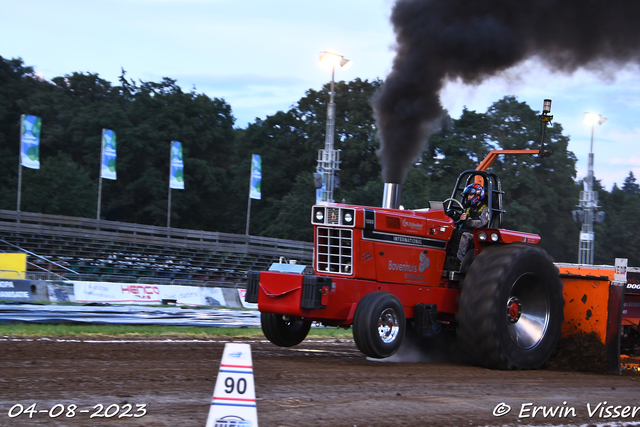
[454,212]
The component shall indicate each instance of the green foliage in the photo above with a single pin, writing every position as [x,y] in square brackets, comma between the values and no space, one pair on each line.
[17,83]
[161,113]
[617,237]
[289,142]
[630,186]
[539,192]
[460,145]
[294,213]
[147,116]
[59,187]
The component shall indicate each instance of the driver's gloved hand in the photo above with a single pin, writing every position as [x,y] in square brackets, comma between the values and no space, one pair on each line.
[453,214]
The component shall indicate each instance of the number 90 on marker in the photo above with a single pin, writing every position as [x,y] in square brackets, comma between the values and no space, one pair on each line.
[232,385]
[235,385]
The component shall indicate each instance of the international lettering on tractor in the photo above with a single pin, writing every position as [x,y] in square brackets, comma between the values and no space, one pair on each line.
[384,270]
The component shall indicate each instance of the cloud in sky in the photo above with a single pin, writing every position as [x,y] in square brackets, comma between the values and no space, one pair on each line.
[251,96]
[629,161]
[238,82]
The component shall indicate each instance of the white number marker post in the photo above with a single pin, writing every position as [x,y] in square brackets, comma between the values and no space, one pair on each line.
[234,397]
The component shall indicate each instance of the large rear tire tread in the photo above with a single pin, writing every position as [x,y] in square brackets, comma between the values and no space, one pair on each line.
[371,309]
[486,333]
[284,333]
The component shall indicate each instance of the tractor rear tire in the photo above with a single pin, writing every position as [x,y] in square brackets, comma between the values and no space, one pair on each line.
[379,324]
[281,332]
[511,307]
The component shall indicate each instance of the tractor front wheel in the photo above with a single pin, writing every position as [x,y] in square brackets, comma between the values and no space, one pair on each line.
[284,332]
[379,324]
[510,309]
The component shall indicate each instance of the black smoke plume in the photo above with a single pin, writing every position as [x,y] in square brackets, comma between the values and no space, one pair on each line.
[471,40]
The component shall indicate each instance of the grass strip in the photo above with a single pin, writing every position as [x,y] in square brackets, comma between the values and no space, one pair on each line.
[58,330]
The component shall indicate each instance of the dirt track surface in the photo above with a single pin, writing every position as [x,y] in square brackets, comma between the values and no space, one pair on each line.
[318,383]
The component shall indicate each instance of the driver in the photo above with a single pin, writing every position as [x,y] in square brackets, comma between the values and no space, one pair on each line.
[476,215]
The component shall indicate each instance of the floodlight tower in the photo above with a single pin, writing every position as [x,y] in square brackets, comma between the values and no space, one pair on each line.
[329,158]
[589,200]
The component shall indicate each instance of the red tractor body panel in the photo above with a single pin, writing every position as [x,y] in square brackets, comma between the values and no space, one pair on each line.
[281,293]
[359,250]
[384,245]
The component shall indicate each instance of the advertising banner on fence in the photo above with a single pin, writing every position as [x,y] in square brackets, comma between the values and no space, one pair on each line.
[176,175]
[256,177]
[137,293]
[60,292]
[108,167]
[16,290]
[30,141]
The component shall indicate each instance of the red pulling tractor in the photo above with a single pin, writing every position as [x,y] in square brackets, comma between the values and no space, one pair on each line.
[384,270]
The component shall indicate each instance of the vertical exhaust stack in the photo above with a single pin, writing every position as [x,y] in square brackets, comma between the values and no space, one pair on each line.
[391,196]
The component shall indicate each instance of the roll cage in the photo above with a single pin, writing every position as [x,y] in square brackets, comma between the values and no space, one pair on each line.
[492,190]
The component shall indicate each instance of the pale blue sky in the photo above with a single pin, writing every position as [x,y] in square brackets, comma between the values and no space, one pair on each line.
[262,56]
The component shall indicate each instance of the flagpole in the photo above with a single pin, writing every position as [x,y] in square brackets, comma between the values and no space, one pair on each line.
[169,209]
[100,173]
[249,203]
[99,194]
[20,164]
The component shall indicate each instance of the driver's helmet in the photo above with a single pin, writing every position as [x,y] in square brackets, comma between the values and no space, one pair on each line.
[477,191]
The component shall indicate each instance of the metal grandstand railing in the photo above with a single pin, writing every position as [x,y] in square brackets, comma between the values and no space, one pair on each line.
[118,278]
[154,281]
[44,273]
[58,225]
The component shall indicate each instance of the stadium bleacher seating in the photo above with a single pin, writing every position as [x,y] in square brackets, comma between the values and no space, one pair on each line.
[91,249]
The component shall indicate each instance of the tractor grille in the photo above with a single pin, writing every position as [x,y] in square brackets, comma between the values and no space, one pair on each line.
[334,250]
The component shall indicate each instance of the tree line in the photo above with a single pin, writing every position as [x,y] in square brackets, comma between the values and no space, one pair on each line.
[146,116]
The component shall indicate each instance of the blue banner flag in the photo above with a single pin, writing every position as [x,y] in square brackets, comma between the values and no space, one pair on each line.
[176,176]
[30,141]
[322,190]
[108,167]
[256,177]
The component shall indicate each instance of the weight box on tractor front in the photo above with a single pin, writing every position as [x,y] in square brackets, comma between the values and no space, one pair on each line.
[385,270]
